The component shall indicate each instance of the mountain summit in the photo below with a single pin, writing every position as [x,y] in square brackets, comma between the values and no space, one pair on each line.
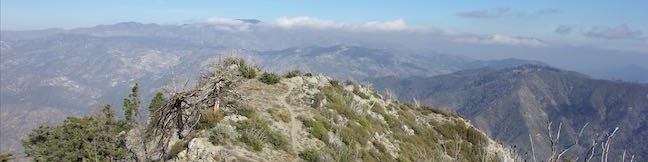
[235,114]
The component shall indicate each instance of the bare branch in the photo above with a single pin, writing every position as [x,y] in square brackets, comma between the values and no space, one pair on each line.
[532,149]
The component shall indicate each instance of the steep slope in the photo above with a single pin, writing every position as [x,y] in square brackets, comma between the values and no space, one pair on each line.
[513,103]
[313,118]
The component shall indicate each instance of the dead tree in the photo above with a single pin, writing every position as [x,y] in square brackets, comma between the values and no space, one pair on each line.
[184,109]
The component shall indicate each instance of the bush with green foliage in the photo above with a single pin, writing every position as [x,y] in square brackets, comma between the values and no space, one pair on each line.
[310,155]
[255,132]
[176,148]
[79,139]
[285,117]
[245,110]
[247,71]
[293,73]
[317,128]
[221,134]
[353,133]
[269,78]
[338,101]
[208,119]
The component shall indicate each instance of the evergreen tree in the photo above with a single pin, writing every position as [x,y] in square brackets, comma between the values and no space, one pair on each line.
[131,105]
[157,102]
[79,139]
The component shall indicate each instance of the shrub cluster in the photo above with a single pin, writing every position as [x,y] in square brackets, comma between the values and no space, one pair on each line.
[310,155]
[208,118]
[247,71]
[220,135]
[269,78]
[176,148]
[317,127]
[293,73]
[255,132]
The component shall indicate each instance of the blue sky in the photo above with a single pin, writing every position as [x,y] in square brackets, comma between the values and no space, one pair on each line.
[591,21]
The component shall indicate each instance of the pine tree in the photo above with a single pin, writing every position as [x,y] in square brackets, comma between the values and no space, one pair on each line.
[157,102]
[131,105]
[77,139]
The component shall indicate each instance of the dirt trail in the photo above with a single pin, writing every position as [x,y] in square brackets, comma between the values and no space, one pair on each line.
[294,126]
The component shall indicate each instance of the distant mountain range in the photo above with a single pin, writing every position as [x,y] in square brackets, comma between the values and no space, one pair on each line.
[70,72]
[49,74]
[512,103]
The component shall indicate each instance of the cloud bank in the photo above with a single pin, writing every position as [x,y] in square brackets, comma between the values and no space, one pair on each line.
[230,24]
[397,25]
[501,39]
[315,23]
[615,33]
[484,14]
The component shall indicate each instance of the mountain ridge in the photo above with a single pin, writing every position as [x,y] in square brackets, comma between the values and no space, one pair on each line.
[235,114]
[512,103]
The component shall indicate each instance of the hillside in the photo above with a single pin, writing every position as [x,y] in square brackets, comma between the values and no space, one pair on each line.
[233,114]
[511,104]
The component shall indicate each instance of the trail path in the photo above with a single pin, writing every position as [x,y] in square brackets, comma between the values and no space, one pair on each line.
[294,126]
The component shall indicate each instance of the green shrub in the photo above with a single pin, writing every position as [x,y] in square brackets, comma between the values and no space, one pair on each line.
[247,71]
[255,132]
[293,73]
[65,142]
[245,110]
[208,119]
[337,101]
[277,140]
[178,147]
[354,133]
[309,74]
[269,78]
[310,155]
[316,128]
[285,117]
[368,157]
[220,135]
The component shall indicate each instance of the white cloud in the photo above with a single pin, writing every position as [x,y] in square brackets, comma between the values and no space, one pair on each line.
[501,39]
[308,22]
[315,23]
[398,24]
[228,24]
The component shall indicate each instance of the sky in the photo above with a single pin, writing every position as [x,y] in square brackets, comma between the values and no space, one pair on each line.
[617,24]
